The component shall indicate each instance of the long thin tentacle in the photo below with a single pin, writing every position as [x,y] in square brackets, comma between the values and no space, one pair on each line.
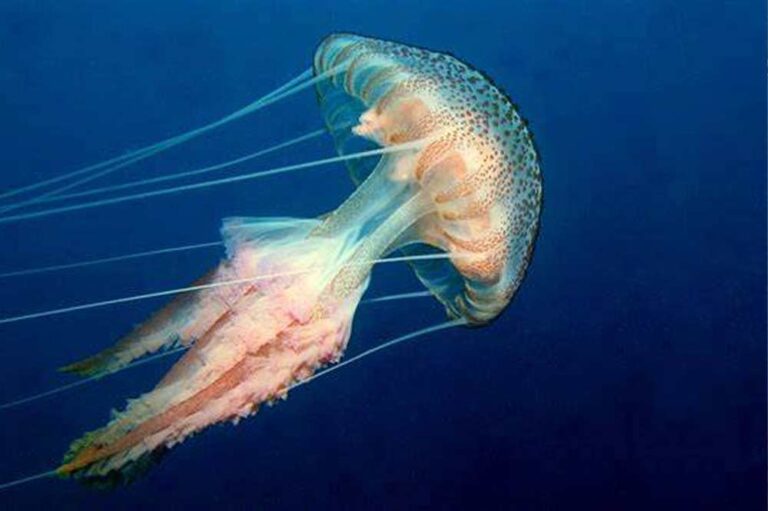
[206,184]
[105,260]
[169,292]
[84,381]
[188,173]
[144,152]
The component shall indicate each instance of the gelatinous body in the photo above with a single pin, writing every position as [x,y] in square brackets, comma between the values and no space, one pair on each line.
[480,168]
[464,179]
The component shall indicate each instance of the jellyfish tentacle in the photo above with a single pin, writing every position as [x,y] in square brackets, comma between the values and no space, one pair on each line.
[106,260]
[121,161]
[169,292]
[273,97]
[398,296]
[188,173]
[90,379]
[383,346]
[132,298]
[207,184]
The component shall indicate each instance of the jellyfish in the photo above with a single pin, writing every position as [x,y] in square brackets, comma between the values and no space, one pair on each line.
[456,192]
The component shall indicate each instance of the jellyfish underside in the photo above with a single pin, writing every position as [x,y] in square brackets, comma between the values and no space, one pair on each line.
[251,341]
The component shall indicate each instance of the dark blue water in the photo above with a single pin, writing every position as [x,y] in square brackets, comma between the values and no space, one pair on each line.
[629,373]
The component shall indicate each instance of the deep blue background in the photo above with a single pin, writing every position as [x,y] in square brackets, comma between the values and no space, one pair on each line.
[629,373]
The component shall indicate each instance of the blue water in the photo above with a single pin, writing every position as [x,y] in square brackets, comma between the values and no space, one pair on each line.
[629,373]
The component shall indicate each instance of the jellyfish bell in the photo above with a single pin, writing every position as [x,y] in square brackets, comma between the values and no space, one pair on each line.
[458,175]
[479,173]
